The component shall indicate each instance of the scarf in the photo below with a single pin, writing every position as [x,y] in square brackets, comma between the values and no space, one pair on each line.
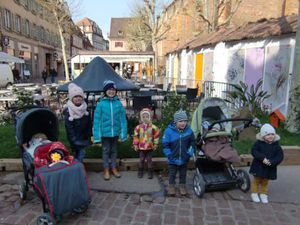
[76,112]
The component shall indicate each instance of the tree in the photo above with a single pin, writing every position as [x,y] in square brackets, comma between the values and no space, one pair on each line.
[144,31]
[62,18]
[293,120]
[214,14]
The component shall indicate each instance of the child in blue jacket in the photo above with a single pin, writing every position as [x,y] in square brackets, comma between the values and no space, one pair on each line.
[110,125]
[178,146]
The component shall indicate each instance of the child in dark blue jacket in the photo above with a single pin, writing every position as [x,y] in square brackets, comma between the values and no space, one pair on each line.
[178,146]
[77,121]
[267,155]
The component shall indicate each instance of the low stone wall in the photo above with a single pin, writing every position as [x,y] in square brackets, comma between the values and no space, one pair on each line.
[291,157]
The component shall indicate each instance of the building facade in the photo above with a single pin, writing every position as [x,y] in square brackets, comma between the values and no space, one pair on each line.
[185,26]
[117,41]
[93,32]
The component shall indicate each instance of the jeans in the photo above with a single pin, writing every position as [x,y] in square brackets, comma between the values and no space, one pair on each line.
[79,153]
[109,148]
[182,173]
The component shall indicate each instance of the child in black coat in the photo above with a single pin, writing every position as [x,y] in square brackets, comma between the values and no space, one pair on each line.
[77,121]
[267,155]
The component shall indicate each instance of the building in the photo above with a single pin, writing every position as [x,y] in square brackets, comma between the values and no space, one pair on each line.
[184,25]
[117,41]
[140,63]
[89,28]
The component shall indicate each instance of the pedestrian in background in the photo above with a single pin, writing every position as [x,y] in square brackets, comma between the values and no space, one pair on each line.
[77,121]
[45,75]
[145,141]
[178,146]
[110,125]
[267,155]
[53,74]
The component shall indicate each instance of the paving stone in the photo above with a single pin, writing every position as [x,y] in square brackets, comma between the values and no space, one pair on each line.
[169,218]
[125,220]
[141,216]
[110,222]
[114,212]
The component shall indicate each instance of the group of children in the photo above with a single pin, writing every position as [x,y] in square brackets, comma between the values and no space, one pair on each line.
[110,126]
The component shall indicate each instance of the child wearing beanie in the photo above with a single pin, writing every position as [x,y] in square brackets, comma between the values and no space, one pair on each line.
[267,155]
[77,121]
[178,146]
[110,125]
[145,140]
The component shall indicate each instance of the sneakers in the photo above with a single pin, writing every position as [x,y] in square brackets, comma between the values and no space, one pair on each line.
[115,172]
[255,197]
[171,190]
[106,174]
[264,198]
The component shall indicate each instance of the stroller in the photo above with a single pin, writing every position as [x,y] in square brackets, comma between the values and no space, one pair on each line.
[55,176]
[212,124]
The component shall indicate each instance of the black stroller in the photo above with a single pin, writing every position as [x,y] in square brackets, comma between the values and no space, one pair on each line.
[216,172]
[56,182]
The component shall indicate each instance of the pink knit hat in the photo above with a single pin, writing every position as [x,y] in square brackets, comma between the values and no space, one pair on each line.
[75,90]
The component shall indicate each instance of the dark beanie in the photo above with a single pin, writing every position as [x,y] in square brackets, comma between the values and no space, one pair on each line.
[108,84]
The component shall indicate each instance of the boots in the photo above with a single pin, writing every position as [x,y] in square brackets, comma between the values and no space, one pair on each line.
[171,190]
[106,174]
[140,173]
[150,173]
[115,172]
[182,190]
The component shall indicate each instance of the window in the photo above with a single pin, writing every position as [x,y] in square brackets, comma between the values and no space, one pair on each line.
[76,66]
[27,28]
[7,19]
[120,33]
[18,23]
[119,44]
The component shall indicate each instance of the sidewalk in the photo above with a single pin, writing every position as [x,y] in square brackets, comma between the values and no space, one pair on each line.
[130,200]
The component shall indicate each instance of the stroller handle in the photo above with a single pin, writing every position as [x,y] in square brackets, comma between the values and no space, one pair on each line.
[254,122]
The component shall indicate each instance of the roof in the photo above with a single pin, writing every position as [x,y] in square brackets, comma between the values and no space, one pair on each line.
[85,21]
[260,29]
[117,26]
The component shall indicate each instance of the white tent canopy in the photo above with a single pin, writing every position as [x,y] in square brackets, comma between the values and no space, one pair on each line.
[4,57]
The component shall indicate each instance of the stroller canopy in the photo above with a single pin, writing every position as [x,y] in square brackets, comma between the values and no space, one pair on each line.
[210,110]
[36,120]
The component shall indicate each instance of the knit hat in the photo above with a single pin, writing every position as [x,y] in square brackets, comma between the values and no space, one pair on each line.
[145,111]
[180,115]
[108,84]
[75,90]
[267,129]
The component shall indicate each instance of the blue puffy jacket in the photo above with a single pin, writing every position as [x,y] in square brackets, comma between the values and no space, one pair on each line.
[178,146]
[109,119]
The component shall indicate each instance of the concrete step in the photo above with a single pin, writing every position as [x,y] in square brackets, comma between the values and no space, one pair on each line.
[291,157]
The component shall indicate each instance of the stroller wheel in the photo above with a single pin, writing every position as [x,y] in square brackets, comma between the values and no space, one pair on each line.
[199,185]
[45,219]
[23,190]
[243,180]
[81,209]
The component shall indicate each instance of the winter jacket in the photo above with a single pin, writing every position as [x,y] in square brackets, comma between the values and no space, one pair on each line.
[146,136]
[109,119]
[79,131]
[273,152]
[178,146]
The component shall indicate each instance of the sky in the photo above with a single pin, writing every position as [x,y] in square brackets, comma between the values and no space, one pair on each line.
[101,11]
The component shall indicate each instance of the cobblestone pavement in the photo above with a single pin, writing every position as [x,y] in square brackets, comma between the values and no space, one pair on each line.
[216,208]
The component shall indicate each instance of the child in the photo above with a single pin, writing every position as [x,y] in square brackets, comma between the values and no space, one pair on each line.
[178,146]
[77,121]
[267,154]
[145,140]
[110,124]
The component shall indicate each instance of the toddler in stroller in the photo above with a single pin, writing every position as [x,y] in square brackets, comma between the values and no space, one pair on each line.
[212,125]
[48,166]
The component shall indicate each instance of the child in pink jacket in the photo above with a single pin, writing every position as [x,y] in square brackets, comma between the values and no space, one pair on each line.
[145,141]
